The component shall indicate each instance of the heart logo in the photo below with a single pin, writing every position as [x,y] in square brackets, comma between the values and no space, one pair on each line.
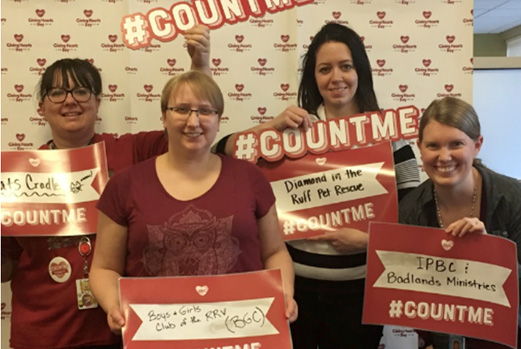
[113,88]
[59,269]
[380,14]
[171,61]
[447,244]
[239,87]
[202,290]
[284,38]
[20,136]
[87,13]
[66,38]
[450,38]
[113,38]
[362,38]
[284,87]
[403,88]
[3,305]
[34,162]
[18,37]
[41,61]
[336,14]
[239,38]
[380,62]
[321,161]
[426,62]
[404,38]
[40,13]
[472,60]
[90,60]
[148,88]
[449,88]
[216,61]
[19,88]
[261,110]
[427,14]
[262,61]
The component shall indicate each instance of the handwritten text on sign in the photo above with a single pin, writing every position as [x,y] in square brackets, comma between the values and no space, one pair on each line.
[244,310]
[163,24]
[318,193]
[53,190]
[424,278]
[204,320]
[335,134]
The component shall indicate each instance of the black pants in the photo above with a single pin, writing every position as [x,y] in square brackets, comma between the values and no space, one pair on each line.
[330,316]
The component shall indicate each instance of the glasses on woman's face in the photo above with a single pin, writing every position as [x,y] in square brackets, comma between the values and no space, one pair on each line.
[183,113]
[59,95]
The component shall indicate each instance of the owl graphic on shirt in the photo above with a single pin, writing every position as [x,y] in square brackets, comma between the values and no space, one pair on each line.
[191,242]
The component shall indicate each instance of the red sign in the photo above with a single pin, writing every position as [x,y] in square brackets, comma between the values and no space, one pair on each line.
[318,193]
[244,311]
[426,279]
[52,192]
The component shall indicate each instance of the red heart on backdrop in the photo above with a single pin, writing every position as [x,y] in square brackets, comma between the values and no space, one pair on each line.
[148,88]
[239,87]
[262,61]
[284,87]
[403,88]
[261,110]
[216,61]
[20,136]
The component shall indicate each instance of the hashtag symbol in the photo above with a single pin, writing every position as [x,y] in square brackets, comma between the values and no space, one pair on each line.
[245,147]
[289,227]
[135,34]
[395,310]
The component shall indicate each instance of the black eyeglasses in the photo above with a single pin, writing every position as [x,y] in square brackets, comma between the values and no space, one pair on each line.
[185,112]
[59,95]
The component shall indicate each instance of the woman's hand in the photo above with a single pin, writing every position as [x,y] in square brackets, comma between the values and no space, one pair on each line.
[291,308]
[115,320]
[345,240]
[198,46]
[292,117]
[461,227]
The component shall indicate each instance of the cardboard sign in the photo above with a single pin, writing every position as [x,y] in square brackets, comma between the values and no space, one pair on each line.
[319,193]
[244,311]
[52,192]
[424,278]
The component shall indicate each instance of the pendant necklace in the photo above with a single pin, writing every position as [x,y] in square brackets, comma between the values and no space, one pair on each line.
[438,212]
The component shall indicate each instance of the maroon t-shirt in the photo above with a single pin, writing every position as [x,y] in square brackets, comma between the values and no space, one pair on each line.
[215,233]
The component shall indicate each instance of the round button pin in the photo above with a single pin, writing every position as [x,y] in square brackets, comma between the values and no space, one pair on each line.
[60,269]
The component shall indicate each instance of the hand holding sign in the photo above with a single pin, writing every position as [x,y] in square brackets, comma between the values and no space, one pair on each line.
[345,240]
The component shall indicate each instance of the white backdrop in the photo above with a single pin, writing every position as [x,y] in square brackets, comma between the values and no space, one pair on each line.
[419,50]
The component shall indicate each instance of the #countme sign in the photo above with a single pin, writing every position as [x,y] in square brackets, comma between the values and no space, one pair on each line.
[426,279]
[243,310]
[318,193]
[52,192]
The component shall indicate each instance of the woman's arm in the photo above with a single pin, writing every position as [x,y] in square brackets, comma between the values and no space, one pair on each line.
[274,255]
[198,46]
[345,240]
[108,266]
[292,117]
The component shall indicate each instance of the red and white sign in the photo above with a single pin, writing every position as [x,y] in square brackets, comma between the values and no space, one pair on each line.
[220,311]
[426,279]
[325,192]
[52,192]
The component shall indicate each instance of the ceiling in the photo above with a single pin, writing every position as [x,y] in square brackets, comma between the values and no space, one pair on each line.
[496,16]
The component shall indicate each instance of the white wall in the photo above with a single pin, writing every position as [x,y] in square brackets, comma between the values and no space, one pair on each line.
[497,100]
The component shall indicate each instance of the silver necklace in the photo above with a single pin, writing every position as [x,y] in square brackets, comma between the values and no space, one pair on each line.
[438,212]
